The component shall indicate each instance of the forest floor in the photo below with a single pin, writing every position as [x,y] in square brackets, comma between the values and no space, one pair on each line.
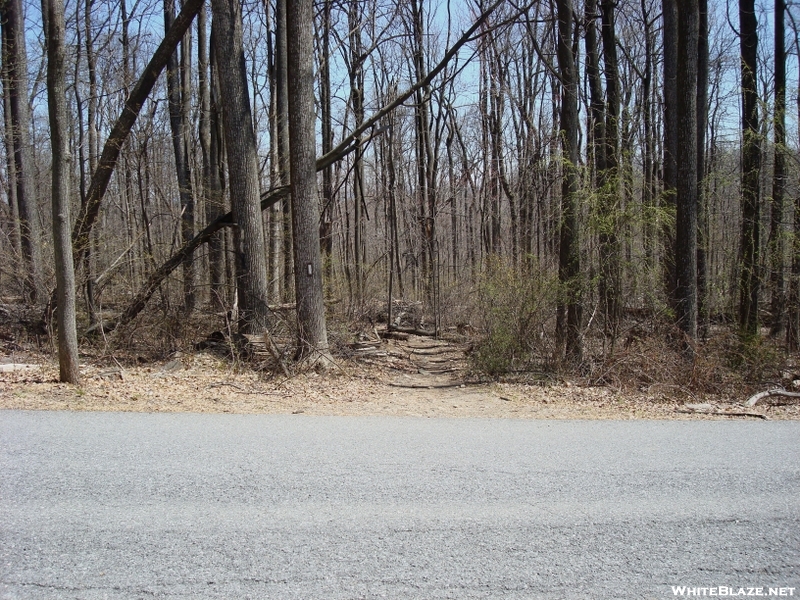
[417,377]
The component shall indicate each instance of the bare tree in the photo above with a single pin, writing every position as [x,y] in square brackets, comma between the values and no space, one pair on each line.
[669,10]
[749,279]
[240,142]
[15,65]
[568,323]
[777,244]
[313,336]
[610,284]
[53,16]
[686,199]
[179,125]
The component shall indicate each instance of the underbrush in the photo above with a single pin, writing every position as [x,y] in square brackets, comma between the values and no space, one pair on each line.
[506,320]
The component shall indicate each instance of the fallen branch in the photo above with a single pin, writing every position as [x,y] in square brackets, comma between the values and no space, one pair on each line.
[429,386]
[776,392]
[722,413]
[412,331]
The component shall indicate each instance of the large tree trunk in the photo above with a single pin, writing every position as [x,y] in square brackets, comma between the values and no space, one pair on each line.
[793,301]
[53,12]
[357,106]
[777,243]
[568,322]
[11,171]
[426,195]
[250,251]
[212,200]
[92,137]
[15,64]
[326,223]
[751,166]
[178,121]
[702,202]
[686,199]
[312,332]
[282,102]
[610,284]
[669,10]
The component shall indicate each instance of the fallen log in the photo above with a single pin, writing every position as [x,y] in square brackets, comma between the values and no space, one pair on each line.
[774,392]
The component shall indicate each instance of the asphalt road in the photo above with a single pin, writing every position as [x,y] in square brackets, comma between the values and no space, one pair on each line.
[104,505]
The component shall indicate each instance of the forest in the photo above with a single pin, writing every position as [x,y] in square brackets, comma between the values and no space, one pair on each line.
[607,188]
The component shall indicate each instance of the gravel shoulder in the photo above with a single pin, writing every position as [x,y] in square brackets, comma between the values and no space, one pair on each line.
[204,383]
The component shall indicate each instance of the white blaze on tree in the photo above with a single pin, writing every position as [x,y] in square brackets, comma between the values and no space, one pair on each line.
[313,336]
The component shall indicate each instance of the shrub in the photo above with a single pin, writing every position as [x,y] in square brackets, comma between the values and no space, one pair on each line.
[515,310]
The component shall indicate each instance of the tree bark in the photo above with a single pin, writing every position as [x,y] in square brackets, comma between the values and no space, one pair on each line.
[212,196]
[326,223]
[610,284]
[179,122]
[11,170]
[686,199]
[312,332]
[751,167]
[16,67]
[777,245]
[702,196]
[282,101]
[53,12]
[793,301]
[250,250]
[568,322]
[669,10]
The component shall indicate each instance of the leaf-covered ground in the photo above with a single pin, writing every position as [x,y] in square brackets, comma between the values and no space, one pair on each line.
[385,383]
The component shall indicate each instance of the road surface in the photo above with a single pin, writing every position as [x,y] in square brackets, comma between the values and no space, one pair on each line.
[129,506]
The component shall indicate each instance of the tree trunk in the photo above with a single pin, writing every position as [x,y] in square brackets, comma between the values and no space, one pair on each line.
[777,245]
[15,64]
[357,105]
[215,203]
[11,170]
[250,251]
[751,167]
[282,101]
[91,131]
[670,171]
[53,13]
[178,121]
[686,199]
[326,223]
[212,198]
[568,322]
[793,301]
[312,333]
[702,201]
[610,284]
